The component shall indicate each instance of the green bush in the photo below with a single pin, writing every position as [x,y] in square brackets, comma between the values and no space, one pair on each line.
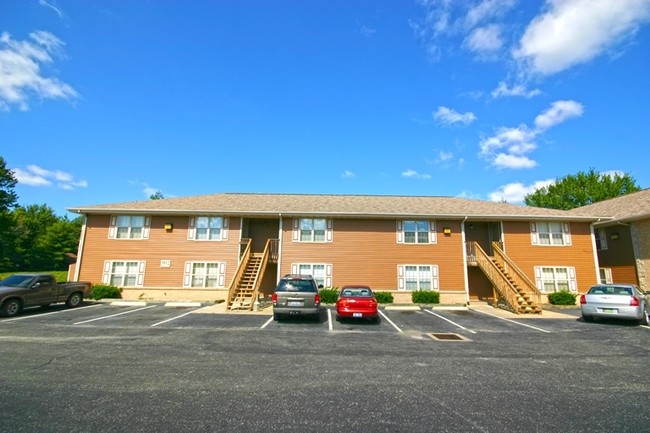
[384,297]
[562,297]
[101,291]
[328,296]
[425,297]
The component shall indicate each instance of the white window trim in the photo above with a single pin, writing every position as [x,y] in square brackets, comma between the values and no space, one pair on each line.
[401,276]
[401,239]
[139,280]
[566,235]
[329,231]
[187,275]
[539,281]
[608,275]
[191,230]
[601,235]
[295,268]
[112,230]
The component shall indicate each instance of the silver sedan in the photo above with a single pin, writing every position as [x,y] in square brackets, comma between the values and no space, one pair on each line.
[617,301]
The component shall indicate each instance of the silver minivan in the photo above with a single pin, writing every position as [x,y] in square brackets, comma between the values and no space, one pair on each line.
[296,295]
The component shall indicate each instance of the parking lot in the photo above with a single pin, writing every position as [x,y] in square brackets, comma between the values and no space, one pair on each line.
[468,323]
[191,368]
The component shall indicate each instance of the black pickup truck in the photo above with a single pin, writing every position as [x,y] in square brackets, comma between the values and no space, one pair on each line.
[27,290]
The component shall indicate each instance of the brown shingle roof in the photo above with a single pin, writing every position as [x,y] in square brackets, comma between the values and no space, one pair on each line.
[629,207]
[330,205]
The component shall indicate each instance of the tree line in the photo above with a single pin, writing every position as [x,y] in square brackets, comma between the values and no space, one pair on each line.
[34,238]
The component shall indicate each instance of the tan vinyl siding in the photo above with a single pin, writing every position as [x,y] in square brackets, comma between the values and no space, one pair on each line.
[162,244]
[579,255]
[365,251]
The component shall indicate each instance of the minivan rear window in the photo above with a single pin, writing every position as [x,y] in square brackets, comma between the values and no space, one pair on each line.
[296,286]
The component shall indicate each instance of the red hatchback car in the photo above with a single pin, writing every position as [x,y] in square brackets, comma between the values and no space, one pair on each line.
[356,301]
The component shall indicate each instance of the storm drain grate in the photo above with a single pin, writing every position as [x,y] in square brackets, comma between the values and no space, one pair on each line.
[447,336]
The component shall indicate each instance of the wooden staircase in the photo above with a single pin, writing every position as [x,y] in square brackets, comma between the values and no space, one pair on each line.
[244,295]
[513,290]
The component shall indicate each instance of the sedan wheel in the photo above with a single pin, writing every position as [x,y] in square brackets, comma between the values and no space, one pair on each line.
[588,319]
[10,308]
[645,320]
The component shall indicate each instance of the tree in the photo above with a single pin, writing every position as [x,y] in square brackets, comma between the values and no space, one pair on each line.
[581,189]
[158,195]
[8,197]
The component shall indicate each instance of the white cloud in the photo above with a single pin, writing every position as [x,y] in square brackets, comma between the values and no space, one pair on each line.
[52,5]
[484,40]
[503,90]
[347,174]
[366,31]
[510,147]
[515,192]
[414,174]
[20,70]
[571,32]
[486,10]
[38,176]
[448,116]
[559,112]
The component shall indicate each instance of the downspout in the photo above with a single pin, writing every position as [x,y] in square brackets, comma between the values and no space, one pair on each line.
[278,273]
[82,238]
[464,246]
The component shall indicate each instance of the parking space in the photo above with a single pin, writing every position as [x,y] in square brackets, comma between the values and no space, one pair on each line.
[471,323]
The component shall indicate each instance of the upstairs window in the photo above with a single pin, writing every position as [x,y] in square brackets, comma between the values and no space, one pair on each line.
[416,232]
[312,230]
[550,233]
[208,228]
[601,239]
[129,227]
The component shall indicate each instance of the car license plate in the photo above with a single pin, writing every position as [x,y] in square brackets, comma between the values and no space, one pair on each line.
[357,315]
[610,310]
[294,304]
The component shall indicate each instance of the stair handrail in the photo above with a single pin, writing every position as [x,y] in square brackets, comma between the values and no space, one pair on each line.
[515,272]
[241,268]
[496,277]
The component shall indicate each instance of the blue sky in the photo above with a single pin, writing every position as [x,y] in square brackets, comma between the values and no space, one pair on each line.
[106,101]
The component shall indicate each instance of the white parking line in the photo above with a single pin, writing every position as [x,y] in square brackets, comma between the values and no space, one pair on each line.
[329,320]
[173,318]
[114,315]
[515,322]
[47,314]
[267,323]
[450,321]
[390,321]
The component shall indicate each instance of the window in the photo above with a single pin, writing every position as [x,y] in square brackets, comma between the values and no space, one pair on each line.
[129,227]
[204,274]
[550,233]
[601,239]
[555,278]
[208,228]
[122,273]
[606,275]
[312,230]
[321,272]
[416,232]
[417,277]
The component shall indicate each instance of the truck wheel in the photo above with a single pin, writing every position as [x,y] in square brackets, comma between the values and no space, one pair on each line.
[10,308]
[74,300]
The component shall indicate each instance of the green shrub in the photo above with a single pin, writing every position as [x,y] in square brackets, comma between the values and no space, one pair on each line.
[425,297]
[101,291]
[562,297]
[384,297]
[328,296]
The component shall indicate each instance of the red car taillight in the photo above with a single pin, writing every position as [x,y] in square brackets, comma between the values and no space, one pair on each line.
[583,299]
[274,298]
[317,299]
[634,302]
